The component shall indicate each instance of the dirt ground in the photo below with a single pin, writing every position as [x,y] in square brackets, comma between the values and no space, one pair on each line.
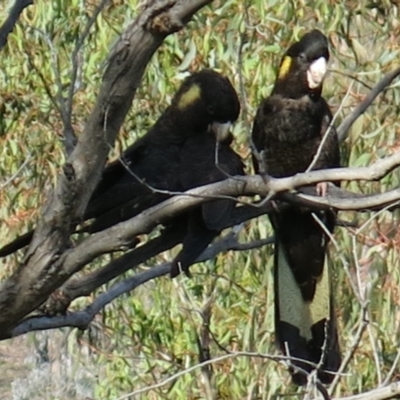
[13,356]
[45,366]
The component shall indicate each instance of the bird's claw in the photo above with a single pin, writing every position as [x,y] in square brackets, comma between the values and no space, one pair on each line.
[265,177]
[322,189]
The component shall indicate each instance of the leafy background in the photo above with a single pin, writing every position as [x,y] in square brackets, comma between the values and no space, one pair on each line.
[149,335]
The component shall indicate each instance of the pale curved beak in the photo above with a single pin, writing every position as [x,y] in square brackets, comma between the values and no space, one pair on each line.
[221,130]
[316,73]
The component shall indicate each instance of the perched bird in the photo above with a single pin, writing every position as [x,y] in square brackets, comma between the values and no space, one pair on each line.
[291,135]
[176,154]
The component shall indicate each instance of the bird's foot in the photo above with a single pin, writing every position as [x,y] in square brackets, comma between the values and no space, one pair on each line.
[274,205]
[176,269]
[265,177]
[322,189]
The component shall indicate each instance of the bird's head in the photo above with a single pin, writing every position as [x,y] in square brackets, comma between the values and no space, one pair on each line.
[304,65]
[207,99]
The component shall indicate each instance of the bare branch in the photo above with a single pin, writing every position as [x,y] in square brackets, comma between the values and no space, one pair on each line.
[121,235]
[12,19]
[353,347]
[49,261]
[66,107]
[391,391]
[57,99]
[43,80]
[276,358]
[331,125]
[17,172]
[81,319]
[361,108]
[42,271]
[76,287]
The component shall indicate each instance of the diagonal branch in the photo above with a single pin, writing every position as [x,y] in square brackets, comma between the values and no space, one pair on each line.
[121,235]
[66,106]
[49,263]
[361,108]
[81,319]
[42,271]
[76,287]
[12,19]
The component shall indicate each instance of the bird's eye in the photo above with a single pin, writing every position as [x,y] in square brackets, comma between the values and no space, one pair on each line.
[210,109]
[302,57]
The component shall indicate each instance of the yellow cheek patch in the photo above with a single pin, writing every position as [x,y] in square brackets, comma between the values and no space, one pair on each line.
[285,67]
[189,97]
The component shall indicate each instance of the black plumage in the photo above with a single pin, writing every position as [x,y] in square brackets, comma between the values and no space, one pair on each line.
[202,166]
[178,153]
[291,134]
[202,107]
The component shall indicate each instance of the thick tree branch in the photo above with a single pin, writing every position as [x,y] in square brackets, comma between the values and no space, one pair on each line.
[82,319]
[76,287]
[49,262]
[42,271]
[121,235]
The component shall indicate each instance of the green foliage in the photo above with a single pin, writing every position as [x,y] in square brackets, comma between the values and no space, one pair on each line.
[154,332]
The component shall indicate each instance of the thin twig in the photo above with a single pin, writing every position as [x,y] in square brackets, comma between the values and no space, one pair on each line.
[180,193]
[393,369]
[69,134]
[329,129]
[17,172]
[46,86]
[351,76]
[201,365]
[363,323]
[56,71]
[362,107]
[245,112]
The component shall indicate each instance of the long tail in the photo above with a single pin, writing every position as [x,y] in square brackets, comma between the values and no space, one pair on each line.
[304,310]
